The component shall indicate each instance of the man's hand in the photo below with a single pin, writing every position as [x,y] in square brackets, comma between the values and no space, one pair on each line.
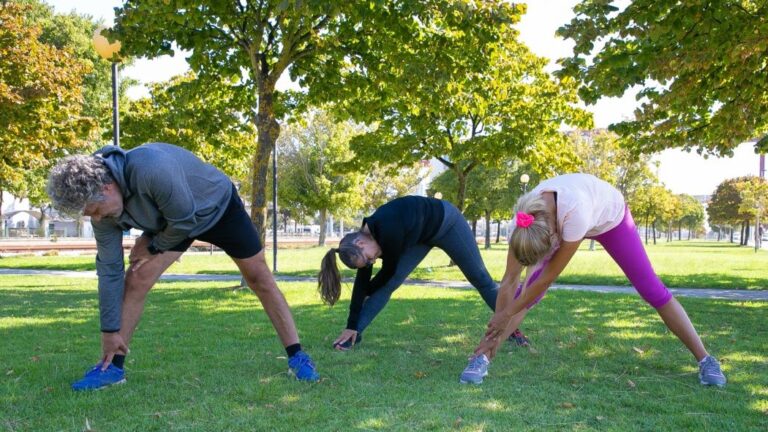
[346,335]
[139,253]
[111,345]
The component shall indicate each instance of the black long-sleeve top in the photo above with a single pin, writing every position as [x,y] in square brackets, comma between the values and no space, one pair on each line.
[396,226]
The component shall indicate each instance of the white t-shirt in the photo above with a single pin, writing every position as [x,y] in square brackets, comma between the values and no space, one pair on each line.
[586,205]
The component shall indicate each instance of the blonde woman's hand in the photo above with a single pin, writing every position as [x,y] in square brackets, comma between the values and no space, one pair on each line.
[496,326]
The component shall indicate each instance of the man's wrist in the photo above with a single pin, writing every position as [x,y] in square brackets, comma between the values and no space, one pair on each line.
[153,250]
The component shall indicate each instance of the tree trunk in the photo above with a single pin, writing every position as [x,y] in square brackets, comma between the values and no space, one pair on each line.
[323,219]
[498,230]
[268,131]
[43,220]
[591,244]
[680,231]
[474,227]
[745,238]
[730,230]
[653,226]
[646,231]
[487,229]
[461,190]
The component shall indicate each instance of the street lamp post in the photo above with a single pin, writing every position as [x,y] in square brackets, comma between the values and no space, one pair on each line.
[524,179]
[109,51]
[274,210]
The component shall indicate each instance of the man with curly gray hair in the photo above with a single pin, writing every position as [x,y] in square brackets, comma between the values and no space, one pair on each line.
[175,198]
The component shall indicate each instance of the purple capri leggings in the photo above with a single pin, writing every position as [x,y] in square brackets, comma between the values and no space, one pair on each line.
[623,244]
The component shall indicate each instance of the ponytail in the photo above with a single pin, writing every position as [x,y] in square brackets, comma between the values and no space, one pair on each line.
[329,279]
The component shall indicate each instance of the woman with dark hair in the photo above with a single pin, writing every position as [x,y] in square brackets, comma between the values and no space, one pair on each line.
[401,233]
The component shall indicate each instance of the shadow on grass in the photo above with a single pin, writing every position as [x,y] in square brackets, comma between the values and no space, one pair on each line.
[690,280]
[71,266]
[206,358]
[714,246]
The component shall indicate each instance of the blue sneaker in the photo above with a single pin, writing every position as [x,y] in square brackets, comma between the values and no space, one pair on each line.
[302,366]
[476,370]
[97,379]
[710,373]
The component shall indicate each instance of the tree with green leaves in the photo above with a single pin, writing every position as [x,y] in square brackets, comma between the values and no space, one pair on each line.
[504,107]
[754,203]
[725,207]
[383,183]
[603,154]
[673,212]
[312,153]
[650,205]
[321,44]
[491,193]
[692,215]
[41,102]
[203,116]
[699,66]
[74,32]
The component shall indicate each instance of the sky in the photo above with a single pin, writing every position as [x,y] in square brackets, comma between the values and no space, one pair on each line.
[681,172]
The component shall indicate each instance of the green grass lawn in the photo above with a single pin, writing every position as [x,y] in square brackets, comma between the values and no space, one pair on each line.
[679,264]
[205,358]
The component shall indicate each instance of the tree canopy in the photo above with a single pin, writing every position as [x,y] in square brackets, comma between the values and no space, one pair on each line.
[40,99]
[502,106]
[312,156]
[699,67]
[203,116]
[255,43]
[603,154]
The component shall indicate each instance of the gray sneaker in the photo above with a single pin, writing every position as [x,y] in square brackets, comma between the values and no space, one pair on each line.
[710,373]
[476,370]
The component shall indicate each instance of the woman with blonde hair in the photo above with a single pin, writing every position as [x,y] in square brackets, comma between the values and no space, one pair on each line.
[550,223]
[401,233]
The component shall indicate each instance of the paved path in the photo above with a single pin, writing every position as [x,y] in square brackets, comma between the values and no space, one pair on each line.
[749,295]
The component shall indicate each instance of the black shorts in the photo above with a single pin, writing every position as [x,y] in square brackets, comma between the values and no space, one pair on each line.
[234,233]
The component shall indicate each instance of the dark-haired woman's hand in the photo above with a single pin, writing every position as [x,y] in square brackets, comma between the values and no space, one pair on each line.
[346,340]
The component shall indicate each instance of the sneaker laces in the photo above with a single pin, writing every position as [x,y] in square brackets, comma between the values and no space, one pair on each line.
[302,359]
[476,363]
[710,366]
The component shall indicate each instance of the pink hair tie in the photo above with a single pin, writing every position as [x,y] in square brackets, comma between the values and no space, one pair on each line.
[524,220]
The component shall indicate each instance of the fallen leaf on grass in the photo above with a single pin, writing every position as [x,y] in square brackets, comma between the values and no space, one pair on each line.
[457,423]
[631,384]
[9,373]
[638,350]
[88,426]
[567,405]
[599,418]
[35,359]
[420,375]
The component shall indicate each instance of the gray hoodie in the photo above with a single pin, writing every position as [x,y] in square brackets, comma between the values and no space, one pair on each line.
[167,192]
